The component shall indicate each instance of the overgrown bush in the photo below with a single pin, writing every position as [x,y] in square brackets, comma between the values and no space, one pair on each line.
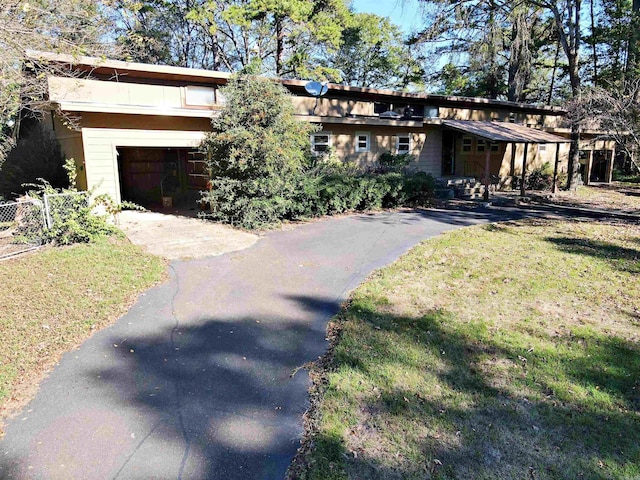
[541,178]
[255,154]
[394,162]
[73,216]
[333,191]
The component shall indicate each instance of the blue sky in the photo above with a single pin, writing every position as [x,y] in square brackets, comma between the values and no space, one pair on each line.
[405,13]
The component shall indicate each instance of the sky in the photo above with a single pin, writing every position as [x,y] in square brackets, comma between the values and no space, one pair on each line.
[404,13]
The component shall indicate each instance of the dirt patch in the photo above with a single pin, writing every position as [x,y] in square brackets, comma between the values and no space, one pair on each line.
[177,237]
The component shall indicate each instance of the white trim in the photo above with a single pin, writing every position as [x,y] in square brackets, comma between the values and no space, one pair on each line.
[328,143]
[410,146]
[367,136]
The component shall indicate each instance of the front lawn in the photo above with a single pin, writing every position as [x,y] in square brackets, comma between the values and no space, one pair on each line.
[54,299]
[616,196]
[503,351]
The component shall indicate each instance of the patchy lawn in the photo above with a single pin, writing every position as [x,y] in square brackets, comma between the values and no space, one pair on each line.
[54,299]
[621,197]
[505,351]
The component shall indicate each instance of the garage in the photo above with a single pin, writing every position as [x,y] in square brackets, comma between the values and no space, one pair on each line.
[161,177]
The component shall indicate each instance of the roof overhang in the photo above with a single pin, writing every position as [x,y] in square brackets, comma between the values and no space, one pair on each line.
[503,132]
[129,71]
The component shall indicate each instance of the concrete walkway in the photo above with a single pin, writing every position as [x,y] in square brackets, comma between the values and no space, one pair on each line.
[199,379]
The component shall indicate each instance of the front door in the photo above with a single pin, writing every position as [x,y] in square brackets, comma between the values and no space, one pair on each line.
[448,152]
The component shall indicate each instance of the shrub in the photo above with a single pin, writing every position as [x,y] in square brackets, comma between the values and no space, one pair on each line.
[393,162]
[73,217]
[255,155]
[541,178]
[328,191]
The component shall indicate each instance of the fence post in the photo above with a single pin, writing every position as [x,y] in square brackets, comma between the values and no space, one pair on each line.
[47,210]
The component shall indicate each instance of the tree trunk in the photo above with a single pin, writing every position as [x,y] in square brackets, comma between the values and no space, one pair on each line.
[633,62]
[279,45]
[593,45]
[570,41]
[553,73]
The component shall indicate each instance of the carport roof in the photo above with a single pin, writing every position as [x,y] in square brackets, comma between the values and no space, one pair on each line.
[503,132]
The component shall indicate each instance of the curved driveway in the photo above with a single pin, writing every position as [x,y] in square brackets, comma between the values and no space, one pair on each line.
[200,378]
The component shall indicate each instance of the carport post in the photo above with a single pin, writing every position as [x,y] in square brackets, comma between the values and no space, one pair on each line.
[524,168]
[487,164]
[554,187]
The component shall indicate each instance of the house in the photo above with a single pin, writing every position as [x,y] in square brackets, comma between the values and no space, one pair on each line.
[134,129]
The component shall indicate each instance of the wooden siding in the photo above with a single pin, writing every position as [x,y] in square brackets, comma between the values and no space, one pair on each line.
[117,93]
[426,145]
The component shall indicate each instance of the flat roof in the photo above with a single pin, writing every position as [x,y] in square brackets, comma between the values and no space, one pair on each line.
[116,68]
[503,132]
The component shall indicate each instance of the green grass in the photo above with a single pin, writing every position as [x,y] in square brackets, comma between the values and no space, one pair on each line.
[506,351]
[54,299]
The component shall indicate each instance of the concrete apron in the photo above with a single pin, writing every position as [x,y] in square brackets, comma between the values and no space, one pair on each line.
[200,378]
[177,237]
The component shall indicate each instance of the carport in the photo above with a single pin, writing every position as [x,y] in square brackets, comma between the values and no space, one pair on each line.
[503,132]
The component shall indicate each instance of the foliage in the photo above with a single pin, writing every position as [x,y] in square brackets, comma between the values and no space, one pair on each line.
[393,162]
[63,26]
[73,216]
[541,178]
[36,155]
[338,190]
[281,37]
[255,154]
[372,54]
[262,172]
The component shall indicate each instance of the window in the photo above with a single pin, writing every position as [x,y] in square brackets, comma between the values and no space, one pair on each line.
[200,96]
[495,147]
[481,146]
[403,143]
[363,142]
[542,147]
[466,144]
[320,142]
[379,108]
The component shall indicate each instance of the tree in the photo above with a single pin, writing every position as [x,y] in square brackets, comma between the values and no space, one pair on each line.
[65,26]
[255,153]
[373,54]
[567,15]
[488,45]
[616,112]
[278,37]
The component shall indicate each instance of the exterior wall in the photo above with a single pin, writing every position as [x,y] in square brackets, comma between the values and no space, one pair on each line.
[101,92]
[70,141]
[331,107]
[499,114]
[426,144]
[101,158]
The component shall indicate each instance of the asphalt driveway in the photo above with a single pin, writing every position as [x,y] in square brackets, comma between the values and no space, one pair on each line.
[200,378]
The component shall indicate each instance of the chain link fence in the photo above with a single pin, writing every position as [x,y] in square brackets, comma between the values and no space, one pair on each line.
[21,226]
[23,223]
[59,207]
